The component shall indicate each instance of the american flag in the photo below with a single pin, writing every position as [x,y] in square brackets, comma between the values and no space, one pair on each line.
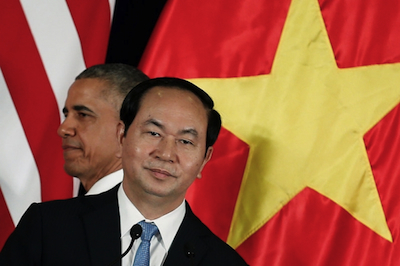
[44,45]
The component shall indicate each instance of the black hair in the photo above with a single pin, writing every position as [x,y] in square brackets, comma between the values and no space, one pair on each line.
[132,103]
[121,77]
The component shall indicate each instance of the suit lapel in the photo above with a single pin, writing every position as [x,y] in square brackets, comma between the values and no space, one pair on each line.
[102,228]
[189,239]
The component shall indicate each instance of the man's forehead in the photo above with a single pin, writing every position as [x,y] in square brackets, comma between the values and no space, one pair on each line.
[167,107]
[91,92]
[88,86]
[172,98]
[161,92]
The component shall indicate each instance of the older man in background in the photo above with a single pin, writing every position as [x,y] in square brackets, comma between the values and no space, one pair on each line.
[89,131]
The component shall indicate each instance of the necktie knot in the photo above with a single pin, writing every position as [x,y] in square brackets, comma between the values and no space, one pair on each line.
[149,230]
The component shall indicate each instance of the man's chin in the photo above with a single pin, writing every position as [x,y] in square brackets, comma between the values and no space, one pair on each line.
[72,170]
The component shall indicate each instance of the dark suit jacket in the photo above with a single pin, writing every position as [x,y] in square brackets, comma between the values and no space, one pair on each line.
[86,231]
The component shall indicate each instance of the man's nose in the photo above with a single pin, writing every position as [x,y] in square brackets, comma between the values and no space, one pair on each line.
[166,149]
[67,128]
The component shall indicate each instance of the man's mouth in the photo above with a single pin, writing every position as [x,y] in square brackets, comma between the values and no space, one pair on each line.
[161,173]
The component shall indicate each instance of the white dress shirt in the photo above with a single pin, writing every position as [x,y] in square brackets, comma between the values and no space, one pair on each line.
[102,185]
[167,224]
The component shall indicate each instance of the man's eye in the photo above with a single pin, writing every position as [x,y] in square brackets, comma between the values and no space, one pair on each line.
[154,133]
[82,114]
[186,142]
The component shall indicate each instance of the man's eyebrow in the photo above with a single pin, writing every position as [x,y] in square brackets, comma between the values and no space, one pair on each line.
[154,122]
[77,108]
[190,131]
[82,108]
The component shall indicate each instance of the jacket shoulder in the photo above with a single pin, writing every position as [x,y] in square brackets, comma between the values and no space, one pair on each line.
[198,245]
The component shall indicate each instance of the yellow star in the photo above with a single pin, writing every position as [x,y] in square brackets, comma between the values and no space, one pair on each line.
[305,123]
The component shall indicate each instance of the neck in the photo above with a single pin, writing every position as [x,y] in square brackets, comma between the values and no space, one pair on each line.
[151,206]
[89,180]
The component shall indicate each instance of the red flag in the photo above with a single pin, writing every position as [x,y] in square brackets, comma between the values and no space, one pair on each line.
[305,170]
[44,46]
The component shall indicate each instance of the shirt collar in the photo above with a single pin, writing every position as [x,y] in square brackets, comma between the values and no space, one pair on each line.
[167,224]
[106,183]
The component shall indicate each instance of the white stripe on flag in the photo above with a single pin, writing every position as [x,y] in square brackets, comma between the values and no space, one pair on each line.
[112,6]
[19,176]
[55,35]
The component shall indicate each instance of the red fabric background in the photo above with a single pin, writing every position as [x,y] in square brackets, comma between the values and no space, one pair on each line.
[92,22]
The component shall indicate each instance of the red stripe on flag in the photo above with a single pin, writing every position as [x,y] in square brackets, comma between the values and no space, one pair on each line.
[34,100]
[92,22]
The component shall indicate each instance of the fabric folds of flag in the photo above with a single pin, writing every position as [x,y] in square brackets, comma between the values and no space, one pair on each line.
[44,45]
[305,171]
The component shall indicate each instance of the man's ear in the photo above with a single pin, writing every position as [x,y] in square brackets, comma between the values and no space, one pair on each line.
[120,138]
[206,159]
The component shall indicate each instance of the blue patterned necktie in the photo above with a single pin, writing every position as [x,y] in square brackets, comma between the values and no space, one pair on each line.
[142,257]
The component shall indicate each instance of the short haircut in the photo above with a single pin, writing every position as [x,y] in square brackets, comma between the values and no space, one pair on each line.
[121,77]
[133,100]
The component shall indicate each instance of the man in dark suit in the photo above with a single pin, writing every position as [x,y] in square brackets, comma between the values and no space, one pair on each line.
[166,135]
